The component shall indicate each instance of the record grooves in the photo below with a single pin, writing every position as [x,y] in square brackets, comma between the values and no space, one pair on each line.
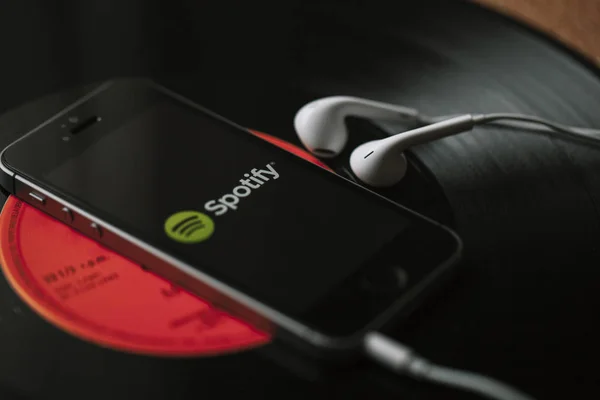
[526,297]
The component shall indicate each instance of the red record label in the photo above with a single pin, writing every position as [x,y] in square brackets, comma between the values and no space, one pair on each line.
[99,296]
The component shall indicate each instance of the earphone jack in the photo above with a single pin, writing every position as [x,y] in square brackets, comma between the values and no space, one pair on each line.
[402,360]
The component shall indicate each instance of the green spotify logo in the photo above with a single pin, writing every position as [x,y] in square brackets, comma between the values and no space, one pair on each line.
[189,227]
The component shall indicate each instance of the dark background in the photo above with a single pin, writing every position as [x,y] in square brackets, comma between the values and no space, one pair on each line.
[524,307]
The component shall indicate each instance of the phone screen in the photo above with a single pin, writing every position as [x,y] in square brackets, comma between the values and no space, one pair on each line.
[254,216]
[281,230]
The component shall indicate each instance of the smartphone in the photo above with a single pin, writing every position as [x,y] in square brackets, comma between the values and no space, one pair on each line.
[280,242]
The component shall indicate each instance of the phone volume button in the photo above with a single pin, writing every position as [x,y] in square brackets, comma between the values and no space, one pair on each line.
[67,215]
[96,230]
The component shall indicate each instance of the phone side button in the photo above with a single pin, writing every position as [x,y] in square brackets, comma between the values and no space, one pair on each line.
[96,230]
[67,215]
[37,197]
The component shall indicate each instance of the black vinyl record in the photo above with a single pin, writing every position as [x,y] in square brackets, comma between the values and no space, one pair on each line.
[523,308]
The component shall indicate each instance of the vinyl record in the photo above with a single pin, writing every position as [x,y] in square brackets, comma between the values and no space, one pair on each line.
[524,304]
[97,295]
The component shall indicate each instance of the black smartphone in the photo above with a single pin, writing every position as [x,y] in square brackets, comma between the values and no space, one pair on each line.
[282,243]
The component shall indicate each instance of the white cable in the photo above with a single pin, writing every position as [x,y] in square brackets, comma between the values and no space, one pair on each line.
[528,122]
[402,360]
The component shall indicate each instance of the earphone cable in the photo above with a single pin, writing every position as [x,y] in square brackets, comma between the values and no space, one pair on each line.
[402,360]
[522,121]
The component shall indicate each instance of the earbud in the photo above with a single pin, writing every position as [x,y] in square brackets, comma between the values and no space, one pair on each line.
[321,128]
[380,163]
[321,124]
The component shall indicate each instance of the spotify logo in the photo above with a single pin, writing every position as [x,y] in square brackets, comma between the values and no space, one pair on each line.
[254,180]
[189,227]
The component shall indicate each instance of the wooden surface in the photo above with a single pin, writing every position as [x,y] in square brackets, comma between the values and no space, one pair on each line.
[574,22]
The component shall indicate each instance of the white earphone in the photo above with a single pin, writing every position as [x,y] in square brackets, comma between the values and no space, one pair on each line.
[320,125]
[380,163]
